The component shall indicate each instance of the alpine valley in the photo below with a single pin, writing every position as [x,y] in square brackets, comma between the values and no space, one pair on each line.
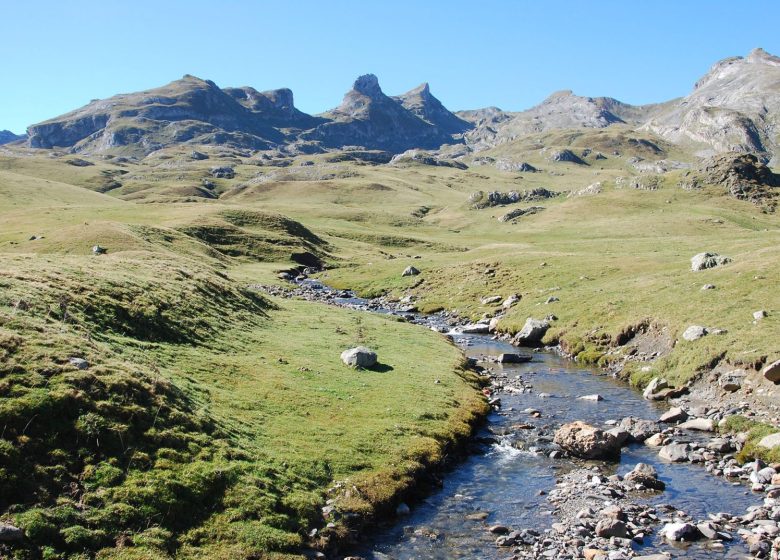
[191,368]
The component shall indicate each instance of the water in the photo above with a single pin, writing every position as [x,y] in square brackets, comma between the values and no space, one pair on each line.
[506,482]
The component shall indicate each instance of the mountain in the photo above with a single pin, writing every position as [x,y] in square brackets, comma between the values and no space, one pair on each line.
[369,118]
[561,110]
[186,110]
[6,136]
[422,103]
[196,111]
[734,107]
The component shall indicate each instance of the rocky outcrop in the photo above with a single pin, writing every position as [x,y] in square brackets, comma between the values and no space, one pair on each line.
[422,103]
[745,177]
[369,118]
[703,261]
[734,107]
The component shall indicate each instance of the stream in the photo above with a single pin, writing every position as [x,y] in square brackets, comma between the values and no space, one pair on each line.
[511,484]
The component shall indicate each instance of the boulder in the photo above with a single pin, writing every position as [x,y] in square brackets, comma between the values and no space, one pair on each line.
[695,332]
[646,476]
[489,300]
[594,397]
[532,332]
[703,261]
[674,452]
[359,357]
[475,328]
[680,532]
[772,372]
[98,250]
[514,358]
[410,271]
[223,172]
[656,384]
[493,324]
[699,424]
[586,441]
[673,415]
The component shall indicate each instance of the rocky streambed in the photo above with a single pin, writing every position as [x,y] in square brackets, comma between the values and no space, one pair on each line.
[673,489]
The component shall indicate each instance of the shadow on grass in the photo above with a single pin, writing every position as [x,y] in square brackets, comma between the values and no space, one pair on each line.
[380,368]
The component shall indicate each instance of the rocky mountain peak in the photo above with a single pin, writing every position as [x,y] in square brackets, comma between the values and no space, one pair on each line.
[734,107]
[368,85]
[760,56]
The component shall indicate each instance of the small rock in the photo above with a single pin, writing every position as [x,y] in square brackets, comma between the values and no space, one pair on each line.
[680,532]
[645,475]
[511,300]
[708,287]
[98,250]
[694,332]
[410,271]
[674,414]
[514,358]
[655,441]
[758,315]
[699,424]
[79,363]
[608,527]
[490,300]
[594,397]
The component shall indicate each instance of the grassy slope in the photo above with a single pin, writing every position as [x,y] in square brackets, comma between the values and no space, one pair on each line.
[211,420]
[614,260]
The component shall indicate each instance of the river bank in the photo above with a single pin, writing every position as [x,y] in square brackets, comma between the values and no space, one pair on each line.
[576,532]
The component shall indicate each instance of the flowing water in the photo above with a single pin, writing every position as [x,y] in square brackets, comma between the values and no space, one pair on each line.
[507,483]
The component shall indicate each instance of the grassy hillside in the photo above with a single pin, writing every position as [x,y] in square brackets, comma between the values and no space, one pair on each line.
[210,421]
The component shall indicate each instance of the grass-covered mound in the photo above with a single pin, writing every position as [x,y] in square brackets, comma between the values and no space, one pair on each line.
[209,422]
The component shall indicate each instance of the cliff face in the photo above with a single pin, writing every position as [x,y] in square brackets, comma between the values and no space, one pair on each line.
[734,107]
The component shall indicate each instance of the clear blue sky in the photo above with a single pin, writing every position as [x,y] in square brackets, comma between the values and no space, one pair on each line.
[56,56]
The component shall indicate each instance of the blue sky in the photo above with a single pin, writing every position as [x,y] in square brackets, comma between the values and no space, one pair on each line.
[56,56]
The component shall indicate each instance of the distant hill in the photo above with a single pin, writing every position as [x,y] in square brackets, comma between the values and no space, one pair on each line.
[6,136]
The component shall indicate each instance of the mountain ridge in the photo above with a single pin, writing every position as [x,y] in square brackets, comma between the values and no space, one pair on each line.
[734,107]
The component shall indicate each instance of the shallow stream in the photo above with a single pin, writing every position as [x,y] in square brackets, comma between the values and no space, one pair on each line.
[510,484]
